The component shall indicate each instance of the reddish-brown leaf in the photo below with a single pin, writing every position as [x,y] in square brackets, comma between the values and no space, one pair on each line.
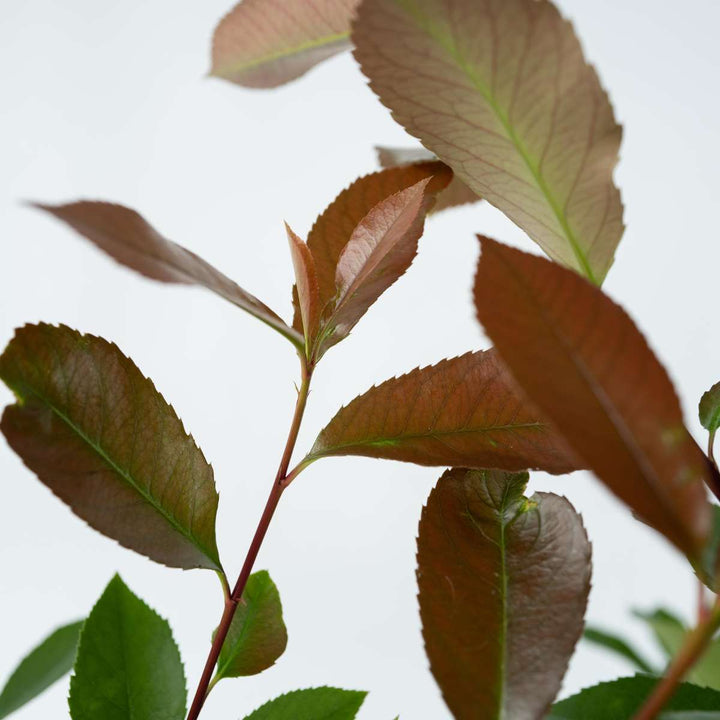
[581,359]
[266,43]
[306,285]
[501,92]
[125,235]
[380,250]
[504,582]
[456,193]
[465,411]
[103,439]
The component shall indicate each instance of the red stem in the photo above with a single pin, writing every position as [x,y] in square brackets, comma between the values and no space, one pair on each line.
[231,602]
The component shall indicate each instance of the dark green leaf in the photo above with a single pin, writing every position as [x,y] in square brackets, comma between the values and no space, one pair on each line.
[709,409]
[503,582]
[257,636]
[620,699]
[101,437]
[131,241]
[618,645]
[128,666]
[584,363]
[47,663]
[465,412]
[323,703]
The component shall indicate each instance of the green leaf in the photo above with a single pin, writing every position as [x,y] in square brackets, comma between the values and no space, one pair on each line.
[47,663]
[709,408]
[464,412]
[257,635]
[96,431]
[323,703]
[128,666]
[266,43]
[584,363]
[711,558]
[455,194]
[700,715]
[620,699]
[619,646]
[500,91]
[503,584]
[670,633]
[131,241]
[668,629]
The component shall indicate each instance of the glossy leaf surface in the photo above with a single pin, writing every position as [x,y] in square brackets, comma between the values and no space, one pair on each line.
[620,699]
[131,241]
[95,430]
[465,412]
[709,409]
[500,91]
[47,663]
[456,193]
[503,584]
[334,227]
[581,360]
[323,703]
[128,665]
[619,646]
[266,43]
[257,636]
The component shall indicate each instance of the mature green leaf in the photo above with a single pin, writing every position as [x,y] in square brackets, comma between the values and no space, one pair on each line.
[266,43]
[380,250]
[128,665]
[709,408]
[47,663]
[500,91]
[670,633]
[668,629]
[334,227]
[619,646]
[96,431]
[620,699]
[131,241]
[466,412]
[306,286]
[323,703]
[504,581]
[456,193]
[581,359]
[257,636]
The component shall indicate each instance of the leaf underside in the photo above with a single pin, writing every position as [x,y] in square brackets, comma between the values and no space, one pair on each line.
[95,430]
[503,584]
[581,360]
[500,91]
[466,411]
[266,43]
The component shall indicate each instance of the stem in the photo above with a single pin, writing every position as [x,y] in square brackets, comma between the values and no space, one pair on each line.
[276,491]
[689,654]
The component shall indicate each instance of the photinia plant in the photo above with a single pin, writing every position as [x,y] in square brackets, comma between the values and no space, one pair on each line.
[508,112]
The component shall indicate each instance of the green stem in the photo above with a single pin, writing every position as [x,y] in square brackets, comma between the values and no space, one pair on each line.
[279,484]
[691,651]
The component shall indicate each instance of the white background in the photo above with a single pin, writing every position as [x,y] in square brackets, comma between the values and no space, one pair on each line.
[109,100]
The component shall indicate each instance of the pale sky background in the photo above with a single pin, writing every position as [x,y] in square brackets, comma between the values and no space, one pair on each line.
[109,100]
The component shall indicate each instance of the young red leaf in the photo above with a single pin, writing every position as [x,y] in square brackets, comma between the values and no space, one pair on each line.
[581,359]
[266,43]
[380,250]
[465,411]
[500,91]
[504,581]
[95,430]
[334,227]
[456,193]
[306,286]
[131,241]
